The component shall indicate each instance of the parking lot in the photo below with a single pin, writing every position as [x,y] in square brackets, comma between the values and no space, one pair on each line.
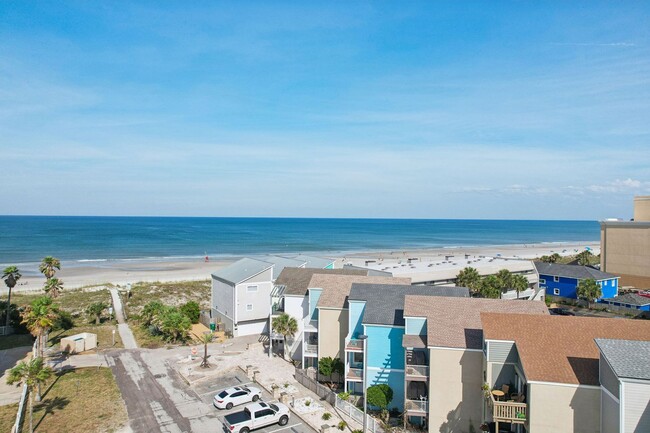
[209,388]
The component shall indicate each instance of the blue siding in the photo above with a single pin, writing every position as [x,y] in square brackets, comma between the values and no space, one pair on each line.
[568,286]
[314,296]
[416,326]
[394,379]
[385,362]
[356,310]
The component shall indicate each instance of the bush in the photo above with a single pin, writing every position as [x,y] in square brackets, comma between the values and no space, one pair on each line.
[342,425]
[345,396]
[380,395]
[192,311]
[64,321]
[326,416]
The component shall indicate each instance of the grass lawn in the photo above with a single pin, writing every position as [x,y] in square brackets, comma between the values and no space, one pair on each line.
[104,335]
[8,416]
[174,294]
[16,340]
[82,400]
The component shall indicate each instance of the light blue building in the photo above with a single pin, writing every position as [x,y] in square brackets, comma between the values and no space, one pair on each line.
[562,280]
[377,311]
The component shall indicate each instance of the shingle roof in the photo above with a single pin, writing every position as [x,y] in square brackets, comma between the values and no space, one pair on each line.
[296,280]
[456,322]
[414,341]
[572,271]
[241,270]
[560,349]
[336,288]
[630,359]
[313,261]
[280,263]
[630,298]
[385,302]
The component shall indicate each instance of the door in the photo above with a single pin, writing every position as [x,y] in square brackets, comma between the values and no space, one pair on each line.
[263,418]
[239,397]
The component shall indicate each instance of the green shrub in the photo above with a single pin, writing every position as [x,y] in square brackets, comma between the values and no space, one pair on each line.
[380,395]
[342,425]
[326,416]
[345,396]
[64,321]
[192,310]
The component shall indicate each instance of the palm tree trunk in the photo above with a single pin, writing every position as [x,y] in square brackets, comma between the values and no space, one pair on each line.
[8,310]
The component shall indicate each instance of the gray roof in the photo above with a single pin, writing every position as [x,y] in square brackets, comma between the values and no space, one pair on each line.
[628,358]
[572,271]
[296,280]
[630,299]
[313,261]
[280,263]
[241,270]
[385,302]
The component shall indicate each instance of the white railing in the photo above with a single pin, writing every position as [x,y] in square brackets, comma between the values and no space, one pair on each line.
[417,406]
[417,370]
[355,374]
[356,414]
[311,348]
[353,344]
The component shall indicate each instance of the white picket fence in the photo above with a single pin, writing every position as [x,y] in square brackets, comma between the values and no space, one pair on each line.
[356,414]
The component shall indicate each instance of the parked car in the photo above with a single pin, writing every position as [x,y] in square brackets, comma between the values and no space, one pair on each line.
[561,311]
[237,395]
[256,415]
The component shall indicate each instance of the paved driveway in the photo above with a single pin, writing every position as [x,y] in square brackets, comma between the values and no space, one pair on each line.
[158,400]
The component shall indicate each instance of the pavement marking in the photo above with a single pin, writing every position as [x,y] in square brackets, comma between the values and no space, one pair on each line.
[284,428]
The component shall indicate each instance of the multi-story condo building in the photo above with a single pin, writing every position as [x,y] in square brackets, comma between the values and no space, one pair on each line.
[444,358]
[545,373]
[376,321]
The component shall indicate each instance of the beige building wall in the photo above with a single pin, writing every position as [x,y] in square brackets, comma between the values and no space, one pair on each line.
[642,208]
[455,396]
[625,251]
[332,330]
[563,409]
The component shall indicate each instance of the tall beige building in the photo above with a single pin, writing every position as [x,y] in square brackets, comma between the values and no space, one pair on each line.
[625,246]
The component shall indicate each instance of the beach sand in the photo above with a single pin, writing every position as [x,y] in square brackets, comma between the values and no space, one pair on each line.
[122,273]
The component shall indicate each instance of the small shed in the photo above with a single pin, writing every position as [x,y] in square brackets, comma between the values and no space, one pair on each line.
[79,342]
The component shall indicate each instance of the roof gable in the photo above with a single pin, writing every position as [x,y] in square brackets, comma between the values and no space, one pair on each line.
[241,270]
[572,271]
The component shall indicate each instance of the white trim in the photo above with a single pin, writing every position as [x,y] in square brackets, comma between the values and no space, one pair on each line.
[384,369]
[251,286]
[383,326]
[568,385]
[499,341]
[556,291]
[621,405]
[556,279]
[631,380]
[251,307]
[415,317]
[612,396]
[455,348]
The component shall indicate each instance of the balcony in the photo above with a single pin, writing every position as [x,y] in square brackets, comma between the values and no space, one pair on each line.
[310,325]
[417,372]
[355,375]
[353,345]
[311,349]
[508,411]
[277,309]
[416,407]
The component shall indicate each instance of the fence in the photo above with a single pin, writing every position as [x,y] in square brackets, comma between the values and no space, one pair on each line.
[357,415]
[599,306]
[320,390]
[21,411]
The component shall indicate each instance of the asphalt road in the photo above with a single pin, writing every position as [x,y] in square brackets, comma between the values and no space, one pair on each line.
[158,400]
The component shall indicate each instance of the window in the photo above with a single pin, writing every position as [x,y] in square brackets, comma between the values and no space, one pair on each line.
[542,281]
[251,289]
[556,279]
[556,292]
[249,307]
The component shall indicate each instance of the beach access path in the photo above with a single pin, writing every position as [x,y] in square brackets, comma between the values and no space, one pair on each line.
[123,328]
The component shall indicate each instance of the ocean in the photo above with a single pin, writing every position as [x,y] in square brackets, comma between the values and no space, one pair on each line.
[79,240]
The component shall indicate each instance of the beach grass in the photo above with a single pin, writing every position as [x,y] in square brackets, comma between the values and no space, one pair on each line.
[8,416]
[104,335]
[169,293]
[74,302]
[144,338]
[65,405]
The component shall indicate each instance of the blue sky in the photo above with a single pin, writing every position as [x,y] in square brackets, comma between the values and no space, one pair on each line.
[351,109]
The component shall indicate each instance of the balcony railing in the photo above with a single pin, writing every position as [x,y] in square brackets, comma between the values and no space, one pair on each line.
[311,349]
[355,374]
[310,325]
[509,411]
[277,309]
[354,345]
[417,372]
[419,406]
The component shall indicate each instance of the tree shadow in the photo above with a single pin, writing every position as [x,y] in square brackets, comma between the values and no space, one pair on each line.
[50,405]
[58,375]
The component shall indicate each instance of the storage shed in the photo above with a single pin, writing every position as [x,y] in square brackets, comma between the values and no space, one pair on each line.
[79,342]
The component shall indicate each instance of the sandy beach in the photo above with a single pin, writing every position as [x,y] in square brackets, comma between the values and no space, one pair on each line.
[122,273]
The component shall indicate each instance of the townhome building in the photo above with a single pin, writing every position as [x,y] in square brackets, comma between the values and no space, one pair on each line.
[545,373]
[373,346]
[444,358]
[562,280]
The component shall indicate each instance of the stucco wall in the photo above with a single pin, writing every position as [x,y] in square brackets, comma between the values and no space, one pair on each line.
[455,398]
[333,328]
[625,249]
[558,409]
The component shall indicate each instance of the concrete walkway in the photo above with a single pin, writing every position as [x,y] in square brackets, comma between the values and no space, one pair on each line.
[125,332]
[8,358]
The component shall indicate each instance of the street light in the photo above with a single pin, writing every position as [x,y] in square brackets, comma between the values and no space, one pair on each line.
[364,338]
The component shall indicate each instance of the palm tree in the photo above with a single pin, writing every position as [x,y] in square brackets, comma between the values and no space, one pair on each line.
[96,309]
[519,283]
[589,290]
[39,318]
[11,275]
[53,287]
[33,374]
[49,265]
[205,339]
[285,325]
[505,277]
[470,278]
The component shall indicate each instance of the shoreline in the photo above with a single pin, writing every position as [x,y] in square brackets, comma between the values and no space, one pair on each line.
[122,272]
